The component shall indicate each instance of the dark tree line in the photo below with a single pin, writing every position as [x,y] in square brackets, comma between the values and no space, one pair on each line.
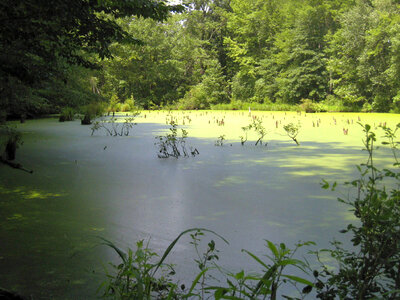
[339,54]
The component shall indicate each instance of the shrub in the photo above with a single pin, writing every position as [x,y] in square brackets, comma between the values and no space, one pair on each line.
[114,128]
[92,111]
[292,131]
[67,114]
[173,145]
[309,106]
[13,140]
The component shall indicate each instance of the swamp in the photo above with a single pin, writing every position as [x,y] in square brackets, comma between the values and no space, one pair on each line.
[87,186]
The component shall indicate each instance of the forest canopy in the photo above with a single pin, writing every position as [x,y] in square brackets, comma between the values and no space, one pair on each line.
[333,54]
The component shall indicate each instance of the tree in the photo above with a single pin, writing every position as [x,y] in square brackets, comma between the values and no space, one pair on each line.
[364,56]
[39,40]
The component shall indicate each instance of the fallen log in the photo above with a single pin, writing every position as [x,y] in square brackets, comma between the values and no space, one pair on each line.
[14,165]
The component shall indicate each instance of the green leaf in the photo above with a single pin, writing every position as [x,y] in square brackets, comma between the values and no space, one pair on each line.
[299,279]
[171,246]
[195,281]
[273,248]
[239,275]
[263,280]
[324,184]
[256,258]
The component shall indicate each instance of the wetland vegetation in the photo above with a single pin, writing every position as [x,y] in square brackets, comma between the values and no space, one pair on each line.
[283,99]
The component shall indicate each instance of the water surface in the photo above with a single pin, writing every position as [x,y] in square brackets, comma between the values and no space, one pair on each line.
[87,186]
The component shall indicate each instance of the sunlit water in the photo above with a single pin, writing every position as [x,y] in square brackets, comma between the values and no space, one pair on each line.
[87,186]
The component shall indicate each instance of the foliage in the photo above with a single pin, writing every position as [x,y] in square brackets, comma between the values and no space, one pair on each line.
[137,276]
[12,140]
[173,145]
[243,105]
[292,131]
[91,111]
[114,104]
[216,54]
[309,106]
[67,114]
[114,128]
[220,140]
[133,279]
[256,125]
[371,268]
[254,286]
[40,42]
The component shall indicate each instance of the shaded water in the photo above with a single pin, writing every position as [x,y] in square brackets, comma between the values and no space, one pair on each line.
[87,186]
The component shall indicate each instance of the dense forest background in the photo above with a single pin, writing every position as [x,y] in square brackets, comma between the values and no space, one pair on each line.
[340,55]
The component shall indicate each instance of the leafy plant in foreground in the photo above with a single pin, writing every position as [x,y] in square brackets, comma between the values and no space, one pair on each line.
[137,276]
[141,276]
[255,286]
[372,268]
[132,278]
[173,145]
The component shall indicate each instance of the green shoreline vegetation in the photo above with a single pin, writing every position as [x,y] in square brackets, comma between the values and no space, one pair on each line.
[319,55]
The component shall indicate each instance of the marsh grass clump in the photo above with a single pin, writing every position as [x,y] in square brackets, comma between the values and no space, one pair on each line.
[292,131]
[67,114]
[114,128]
[12,141]
[92,111]
[174,145]
[220,140]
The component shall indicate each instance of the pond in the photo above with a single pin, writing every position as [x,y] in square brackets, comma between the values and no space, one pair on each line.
[84,187]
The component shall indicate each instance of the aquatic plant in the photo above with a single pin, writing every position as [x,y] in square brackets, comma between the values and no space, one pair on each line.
[292,131]
[259,129]
[220,140]
[92,111]
[13,140]
[243,138]
[173,145]
[67,114]
[256,125]
[114,128]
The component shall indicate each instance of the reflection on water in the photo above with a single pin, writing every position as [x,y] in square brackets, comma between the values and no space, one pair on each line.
[87,186]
